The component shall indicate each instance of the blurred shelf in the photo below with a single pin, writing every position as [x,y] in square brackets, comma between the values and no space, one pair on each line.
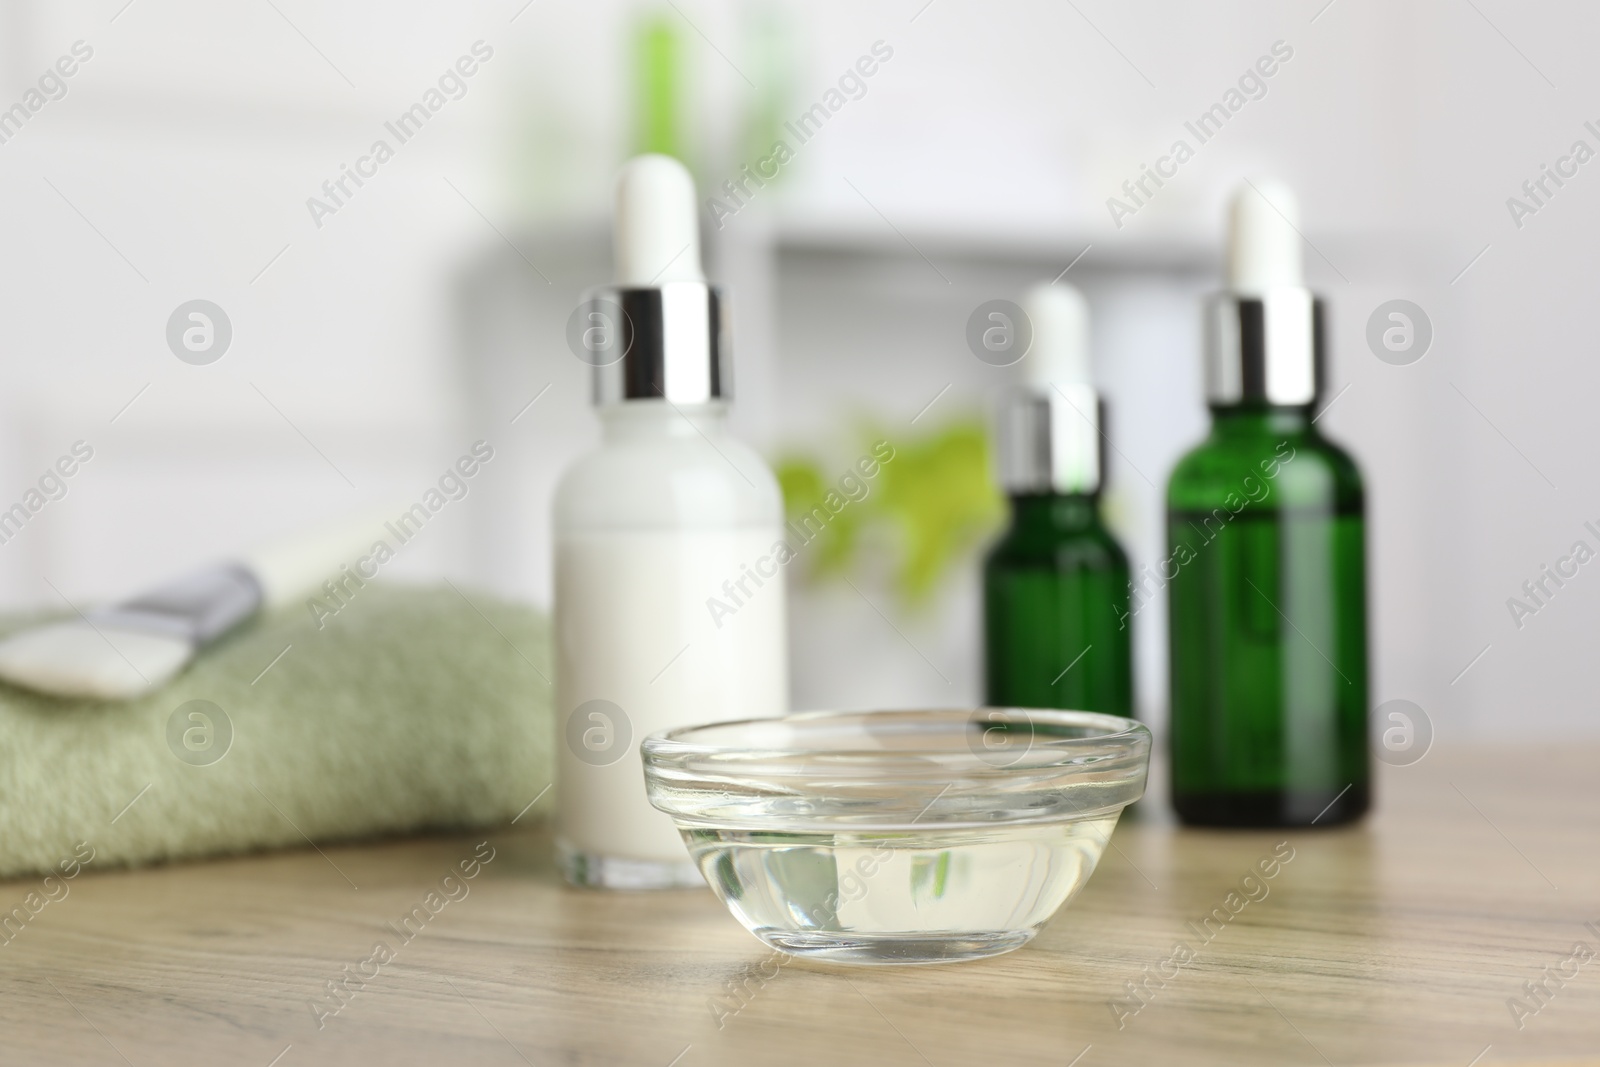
[1100,249]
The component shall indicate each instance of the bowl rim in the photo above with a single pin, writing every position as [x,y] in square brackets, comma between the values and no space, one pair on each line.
[667,746]
[709,785]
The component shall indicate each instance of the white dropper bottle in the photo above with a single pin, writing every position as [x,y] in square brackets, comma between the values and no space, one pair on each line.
[669,597]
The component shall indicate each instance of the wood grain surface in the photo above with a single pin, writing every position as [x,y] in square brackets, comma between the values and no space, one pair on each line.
[1397,942]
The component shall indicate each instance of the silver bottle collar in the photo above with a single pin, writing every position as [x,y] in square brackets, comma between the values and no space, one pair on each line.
[663,342]
[197,608]
[1049,439]
[1266,348]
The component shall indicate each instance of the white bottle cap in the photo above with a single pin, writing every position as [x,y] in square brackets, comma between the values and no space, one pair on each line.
[665,339]
[1264,336]
[1060,318]
[1264,239]
[657,232]
[1049,432]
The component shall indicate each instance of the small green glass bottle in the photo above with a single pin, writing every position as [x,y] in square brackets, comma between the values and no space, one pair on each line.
[1266,571]
[1055,585]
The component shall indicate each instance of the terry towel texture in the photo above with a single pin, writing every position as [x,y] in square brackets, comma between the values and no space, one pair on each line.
[410,709]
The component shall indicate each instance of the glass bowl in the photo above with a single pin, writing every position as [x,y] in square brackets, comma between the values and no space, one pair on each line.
[898,836]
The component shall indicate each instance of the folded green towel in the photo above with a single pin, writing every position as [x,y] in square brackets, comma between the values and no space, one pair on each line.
[410,709]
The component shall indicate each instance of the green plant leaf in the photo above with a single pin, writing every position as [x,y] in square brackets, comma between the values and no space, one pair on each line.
[935,498]
[940,494]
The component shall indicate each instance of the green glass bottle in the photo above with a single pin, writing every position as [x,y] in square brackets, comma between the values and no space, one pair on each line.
[1055,593]
[1266,571]
[1055,586]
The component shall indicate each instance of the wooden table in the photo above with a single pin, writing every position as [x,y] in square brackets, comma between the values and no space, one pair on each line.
[1397,942]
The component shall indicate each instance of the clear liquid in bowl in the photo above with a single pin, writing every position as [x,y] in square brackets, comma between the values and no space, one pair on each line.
[922,895]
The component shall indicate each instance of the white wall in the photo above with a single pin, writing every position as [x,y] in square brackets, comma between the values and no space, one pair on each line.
[406,326]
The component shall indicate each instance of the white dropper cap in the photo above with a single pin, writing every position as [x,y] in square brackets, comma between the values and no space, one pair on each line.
[657,233]
[1049,433]
[1264,239]
[1060,352]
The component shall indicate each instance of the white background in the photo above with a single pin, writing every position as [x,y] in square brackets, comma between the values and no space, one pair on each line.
[374,350]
